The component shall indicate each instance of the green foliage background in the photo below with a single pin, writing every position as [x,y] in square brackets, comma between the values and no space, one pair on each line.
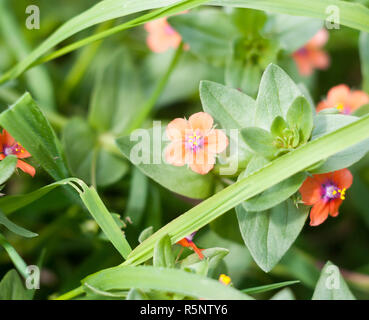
[108,88]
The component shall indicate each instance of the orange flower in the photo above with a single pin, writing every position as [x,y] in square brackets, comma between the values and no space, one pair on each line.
[225,279]
[325,192]
[194,142]
[345,100]
[161,35]
[8,146]
[188,243]
[310,56]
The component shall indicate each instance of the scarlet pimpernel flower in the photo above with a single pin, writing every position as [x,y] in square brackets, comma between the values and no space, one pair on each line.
[187,242]
[343,99]
[8,146]
[311,56]
[194,142]
[325,192]
[161,36]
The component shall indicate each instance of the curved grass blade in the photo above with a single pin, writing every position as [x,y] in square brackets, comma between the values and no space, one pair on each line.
[14,256]
[269,287]
[10,204]
[171,280]
[353,15]
[11,226]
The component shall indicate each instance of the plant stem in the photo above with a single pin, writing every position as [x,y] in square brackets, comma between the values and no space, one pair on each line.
[149,105]
[71,294]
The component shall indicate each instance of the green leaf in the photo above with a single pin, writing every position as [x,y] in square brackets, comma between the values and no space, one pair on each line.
[7,168]
[135,294]
[276,94]
[163,255]
[15,228]
[326,123]
[28,125]
[229,107]
[12,287]
[291,32]
[117,93]
[285,294]
[213,258]
[249,22]
[86,158]
[269,234]
[11,204]
[260,141]
[278,127]
[276,194]
[364,59]
[331,285]
[208,32]
[145,234]
[297,264]
[171,280]
[14,256]
[277,171]
[269,287]
[138,149]
[300,116]
[105,220]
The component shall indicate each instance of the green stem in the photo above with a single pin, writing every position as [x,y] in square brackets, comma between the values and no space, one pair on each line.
[71,294]
[149,105]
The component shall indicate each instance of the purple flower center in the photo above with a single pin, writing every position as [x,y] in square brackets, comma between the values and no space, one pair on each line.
[330,191]
[302,51]
[190,237]
[8,150]
[194,141]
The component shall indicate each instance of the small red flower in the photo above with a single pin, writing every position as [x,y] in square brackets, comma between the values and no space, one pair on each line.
[188,243]
[311,56]
[161,36]
[8,146]
[325,192]
[343,99]
[194,142]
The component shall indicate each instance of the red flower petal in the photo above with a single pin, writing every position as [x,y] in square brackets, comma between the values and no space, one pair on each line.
[319,213]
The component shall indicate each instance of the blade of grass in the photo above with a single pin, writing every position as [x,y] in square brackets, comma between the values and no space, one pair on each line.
[14,256]
[166,279]
[269,287]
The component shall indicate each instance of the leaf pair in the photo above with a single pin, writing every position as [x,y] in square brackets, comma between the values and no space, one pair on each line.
[284,135]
